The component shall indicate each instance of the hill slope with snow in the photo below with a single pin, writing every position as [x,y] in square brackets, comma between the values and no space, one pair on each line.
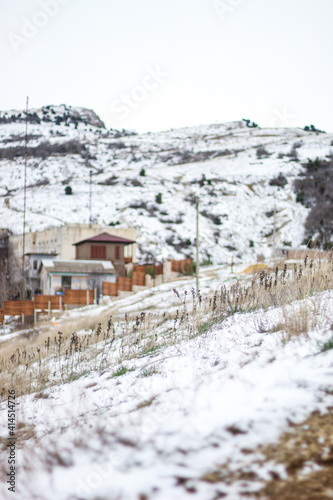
[150,181]
[192,418]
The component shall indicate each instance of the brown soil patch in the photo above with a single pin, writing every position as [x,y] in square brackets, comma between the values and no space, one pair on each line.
[309,442]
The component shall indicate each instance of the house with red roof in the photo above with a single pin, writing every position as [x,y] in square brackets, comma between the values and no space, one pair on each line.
[108,247]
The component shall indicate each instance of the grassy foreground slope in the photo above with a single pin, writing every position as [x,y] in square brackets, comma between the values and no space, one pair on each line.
[206,401]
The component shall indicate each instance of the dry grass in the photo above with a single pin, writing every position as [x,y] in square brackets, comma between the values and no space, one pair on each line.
[31,364]
[301,317]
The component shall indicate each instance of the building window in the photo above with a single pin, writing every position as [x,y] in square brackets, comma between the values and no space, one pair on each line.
[66,282]
[98,252]
[117,253]
[35,265]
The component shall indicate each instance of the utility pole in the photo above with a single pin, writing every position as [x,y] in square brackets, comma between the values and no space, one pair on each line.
[25,190]
[197,244]
[274,229]
[90,216]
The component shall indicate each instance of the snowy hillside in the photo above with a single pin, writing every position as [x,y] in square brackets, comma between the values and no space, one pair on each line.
[149,181]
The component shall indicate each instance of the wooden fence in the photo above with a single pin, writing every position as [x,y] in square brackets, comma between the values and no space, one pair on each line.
[110,289]
[181,266]
[142,268]
[42,302]
[158,268]
[19,307]
[138,278]
[124,284]
[46,302]
[79,297]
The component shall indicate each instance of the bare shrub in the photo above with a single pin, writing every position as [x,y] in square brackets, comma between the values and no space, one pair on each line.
[313,189]
[262,152]
[279,181]
[111,181]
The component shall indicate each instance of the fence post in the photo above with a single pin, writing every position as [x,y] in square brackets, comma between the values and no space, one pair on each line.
[87,297]
[60,302]
[22,318]
[35,316]
[49,310]
[95,295]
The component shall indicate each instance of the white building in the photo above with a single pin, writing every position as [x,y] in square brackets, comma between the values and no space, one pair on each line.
[58,275]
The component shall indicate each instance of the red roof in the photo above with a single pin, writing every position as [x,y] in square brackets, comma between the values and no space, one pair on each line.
[106,238]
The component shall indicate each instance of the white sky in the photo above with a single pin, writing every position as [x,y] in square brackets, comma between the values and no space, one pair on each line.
[220,60]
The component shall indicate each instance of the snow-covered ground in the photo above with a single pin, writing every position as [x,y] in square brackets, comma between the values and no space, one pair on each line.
[217,163]
[179,413]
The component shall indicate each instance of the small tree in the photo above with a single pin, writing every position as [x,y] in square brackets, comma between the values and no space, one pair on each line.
[142,172]
[68,190]
[11,278]
[189,268]
[158,198]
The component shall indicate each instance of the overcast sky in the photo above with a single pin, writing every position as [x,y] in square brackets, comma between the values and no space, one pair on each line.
[157,64]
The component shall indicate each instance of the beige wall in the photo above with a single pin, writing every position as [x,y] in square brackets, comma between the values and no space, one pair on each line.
[61,239]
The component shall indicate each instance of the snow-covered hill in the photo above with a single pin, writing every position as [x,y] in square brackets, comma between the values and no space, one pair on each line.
[150,181]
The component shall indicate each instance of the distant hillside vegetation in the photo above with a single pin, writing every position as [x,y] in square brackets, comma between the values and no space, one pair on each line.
[314,189]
